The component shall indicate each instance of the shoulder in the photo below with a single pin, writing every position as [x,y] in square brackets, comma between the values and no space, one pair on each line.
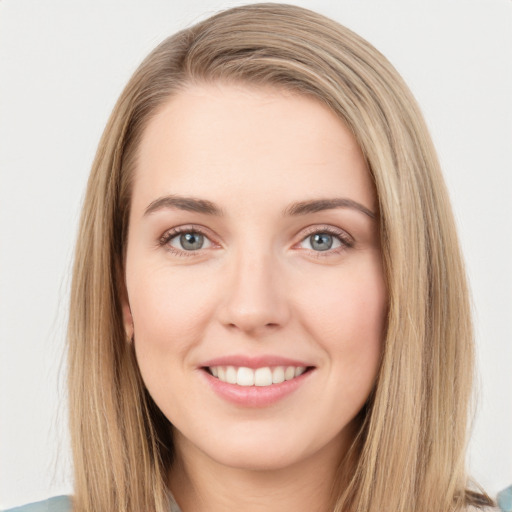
[504,503]
[505,499]
[55,504]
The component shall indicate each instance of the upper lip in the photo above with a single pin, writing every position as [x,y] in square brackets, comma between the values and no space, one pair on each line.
[253,361]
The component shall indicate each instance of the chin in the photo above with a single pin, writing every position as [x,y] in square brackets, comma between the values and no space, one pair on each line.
[256,459]
[260,449]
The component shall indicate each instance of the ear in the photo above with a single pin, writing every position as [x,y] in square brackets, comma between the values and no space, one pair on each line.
[125,308]
[127,317]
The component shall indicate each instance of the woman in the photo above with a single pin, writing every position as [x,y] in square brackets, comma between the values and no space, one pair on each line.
[269,307]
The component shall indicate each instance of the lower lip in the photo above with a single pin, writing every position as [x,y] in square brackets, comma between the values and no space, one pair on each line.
[255,396]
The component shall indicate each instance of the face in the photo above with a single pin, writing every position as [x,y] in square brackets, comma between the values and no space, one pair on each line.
[255,286]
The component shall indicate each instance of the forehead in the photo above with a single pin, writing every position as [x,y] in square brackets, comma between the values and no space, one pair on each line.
[243,142]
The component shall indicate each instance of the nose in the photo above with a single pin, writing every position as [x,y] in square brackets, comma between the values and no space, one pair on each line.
[254,297]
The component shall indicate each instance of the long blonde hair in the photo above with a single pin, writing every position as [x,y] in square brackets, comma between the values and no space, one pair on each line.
[410,452]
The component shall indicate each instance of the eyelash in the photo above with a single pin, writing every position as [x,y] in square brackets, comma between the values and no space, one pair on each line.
[173,233]
[346,240]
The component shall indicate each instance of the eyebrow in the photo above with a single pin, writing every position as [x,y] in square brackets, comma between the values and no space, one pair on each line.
[318,205]
[190,204]
[204,206]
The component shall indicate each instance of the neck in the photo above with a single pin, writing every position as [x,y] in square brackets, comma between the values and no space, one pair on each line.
[201,484]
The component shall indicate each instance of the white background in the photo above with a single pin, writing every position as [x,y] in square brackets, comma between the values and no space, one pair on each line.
[62,65]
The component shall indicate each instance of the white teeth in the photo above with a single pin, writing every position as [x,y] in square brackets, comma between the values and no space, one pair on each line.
[289,373]
[264,376]
[299,371]
[278,375]
[231,376]
[245,376]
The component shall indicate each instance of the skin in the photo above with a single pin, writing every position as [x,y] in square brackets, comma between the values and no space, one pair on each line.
[257,287]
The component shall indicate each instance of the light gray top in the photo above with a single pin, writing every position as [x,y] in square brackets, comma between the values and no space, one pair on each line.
[55,504]
[63,504]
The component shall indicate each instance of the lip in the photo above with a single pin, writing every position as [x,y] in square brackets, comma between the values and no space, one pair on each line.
[254,361]
[254,396]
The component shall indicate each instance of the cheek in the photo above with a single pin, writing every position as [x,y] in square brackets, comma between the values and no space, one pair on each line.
[346,314]
[169,310]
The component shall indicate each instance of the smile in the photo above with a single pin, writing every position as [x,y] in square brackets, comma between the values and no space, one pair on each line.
[264,376]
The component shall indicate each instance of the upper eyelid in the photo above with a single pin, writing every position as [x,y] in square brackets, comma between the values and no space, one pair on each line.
[187,228]
[332,230]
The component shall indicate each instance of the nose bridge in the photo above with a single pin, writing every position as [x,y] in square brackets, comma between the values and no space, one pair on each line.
[255,298]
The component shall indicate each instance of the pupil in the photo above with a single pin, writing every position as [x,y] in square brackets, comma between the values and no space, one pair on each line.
[191,241]
[321,241]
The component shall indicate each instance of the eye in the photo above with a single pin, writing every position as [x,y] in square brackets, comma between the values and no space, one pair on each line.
[322,242]
[189,241]
[185,240]
[326,240]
